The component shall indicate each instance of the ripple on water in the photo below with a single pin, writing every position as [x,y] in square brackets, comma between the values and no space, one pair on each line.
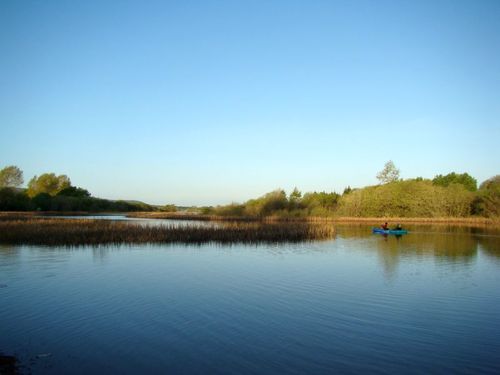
[349,305]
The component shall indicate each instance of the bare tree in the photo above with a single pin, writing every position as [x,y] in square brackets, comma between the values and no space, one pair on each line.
[389,174]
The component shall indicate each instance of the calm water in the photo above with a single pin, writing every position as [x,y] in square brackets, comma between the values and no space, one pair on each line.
[426,302]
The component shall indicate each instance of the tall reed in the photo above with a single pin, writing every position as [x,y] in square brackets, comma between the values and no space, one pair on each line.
[49,231]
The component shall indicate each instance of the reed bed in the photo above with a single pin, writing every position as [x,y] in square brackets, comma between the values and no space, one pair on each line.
[316,219]
[49,231]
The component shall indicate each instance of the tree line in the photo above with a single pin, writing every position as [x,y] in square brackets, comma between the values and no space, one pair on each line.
[51,192]
[450,195]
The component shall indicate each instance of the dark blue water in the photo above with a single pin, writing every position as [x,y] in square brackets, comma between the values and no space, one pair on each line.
[426,302]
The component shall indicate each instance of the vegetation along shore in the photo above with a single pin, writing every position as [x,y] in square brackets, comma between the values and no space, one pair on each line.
[451,197]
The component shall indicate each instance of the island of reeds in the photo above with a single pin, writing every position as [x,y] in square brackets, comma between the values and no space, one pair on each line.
[34,230]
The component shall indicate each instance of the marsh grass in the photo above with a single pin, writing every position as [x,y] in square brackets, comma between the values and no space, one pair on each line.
[469,221]
[50,231]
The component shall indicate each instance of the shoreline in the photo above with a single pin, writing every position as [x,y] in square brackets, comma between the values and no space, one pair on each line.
[340,220]
[201,217]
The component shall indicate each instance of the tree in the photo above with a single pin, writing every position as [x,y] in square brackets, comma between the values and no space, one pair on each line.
[73,191]
[42,201]
[48,183]
[347,190]
[389,174]
[487,202]
[12,200]
[464,179]
[294,198]
[491,183]
[11,176]
[169,208]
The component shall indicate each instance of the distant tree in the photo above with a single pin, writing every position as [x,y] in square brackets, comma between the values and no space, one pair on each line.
[464,179]
[491,182]
[347,190]
[389,174]
[73,191]
[295,195]
[48,183]
[11,176]
[294,198]
[207,210]
[13,200]
[487,202]
[169,208]
[42,201]
[273,201]
[320,203]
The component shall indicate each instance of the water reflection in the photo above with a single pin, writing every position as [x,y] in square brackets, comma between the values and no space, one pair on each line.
[450,242]
[316,307]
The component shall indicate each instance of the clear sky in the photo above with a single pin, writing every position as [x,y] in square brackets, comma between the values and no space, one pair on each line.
[208,102]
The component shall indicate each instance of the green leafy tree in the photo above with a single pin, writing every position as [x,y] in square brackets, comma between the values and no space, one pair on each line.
[294,198]
[11,176]
[73,191]
[48,183]
[409,198]
[389,174]
[320,203]
[487,202]
[347,190]
[12,200]
[169,208]
[491,183]
[469,182]
[42,201]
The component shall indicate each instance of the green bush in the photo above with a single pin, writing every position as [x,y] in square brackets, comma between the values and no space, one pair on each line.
[410,198]
[487,201]
[12,199]
[469,182]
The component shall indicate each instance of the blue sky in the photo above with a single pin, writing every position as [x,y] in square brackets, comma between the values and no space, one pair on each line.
[208,102]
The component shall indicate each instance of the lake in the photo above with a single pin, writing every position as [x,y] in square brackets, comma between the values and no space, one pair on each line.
[426,302]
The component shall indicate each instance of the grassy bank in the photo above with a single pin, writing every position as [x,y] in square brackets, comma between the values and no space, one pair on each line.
[49,231]
[317,219]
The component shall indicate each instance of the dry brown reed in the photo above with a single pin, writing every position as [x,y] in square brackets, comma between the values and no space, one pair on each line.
[315,219]
[49,231]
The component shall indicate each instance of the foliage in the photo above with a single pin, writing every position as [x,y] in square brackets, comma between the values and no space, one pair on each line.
[347,190]
[410,198]
[464,179]
[73,191]
[268,204]
[294,199]
[42,202]
[277,203]
[14,200]
[389,174]
[320,204]
[452,195]
[169,208]
[487,201]
[11,176]
[491,183]
[48,183]
[55,193]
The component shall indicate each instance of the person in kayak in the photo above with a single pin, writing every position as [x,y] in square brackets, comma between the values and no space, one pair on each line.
[398,227]
[385,226]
